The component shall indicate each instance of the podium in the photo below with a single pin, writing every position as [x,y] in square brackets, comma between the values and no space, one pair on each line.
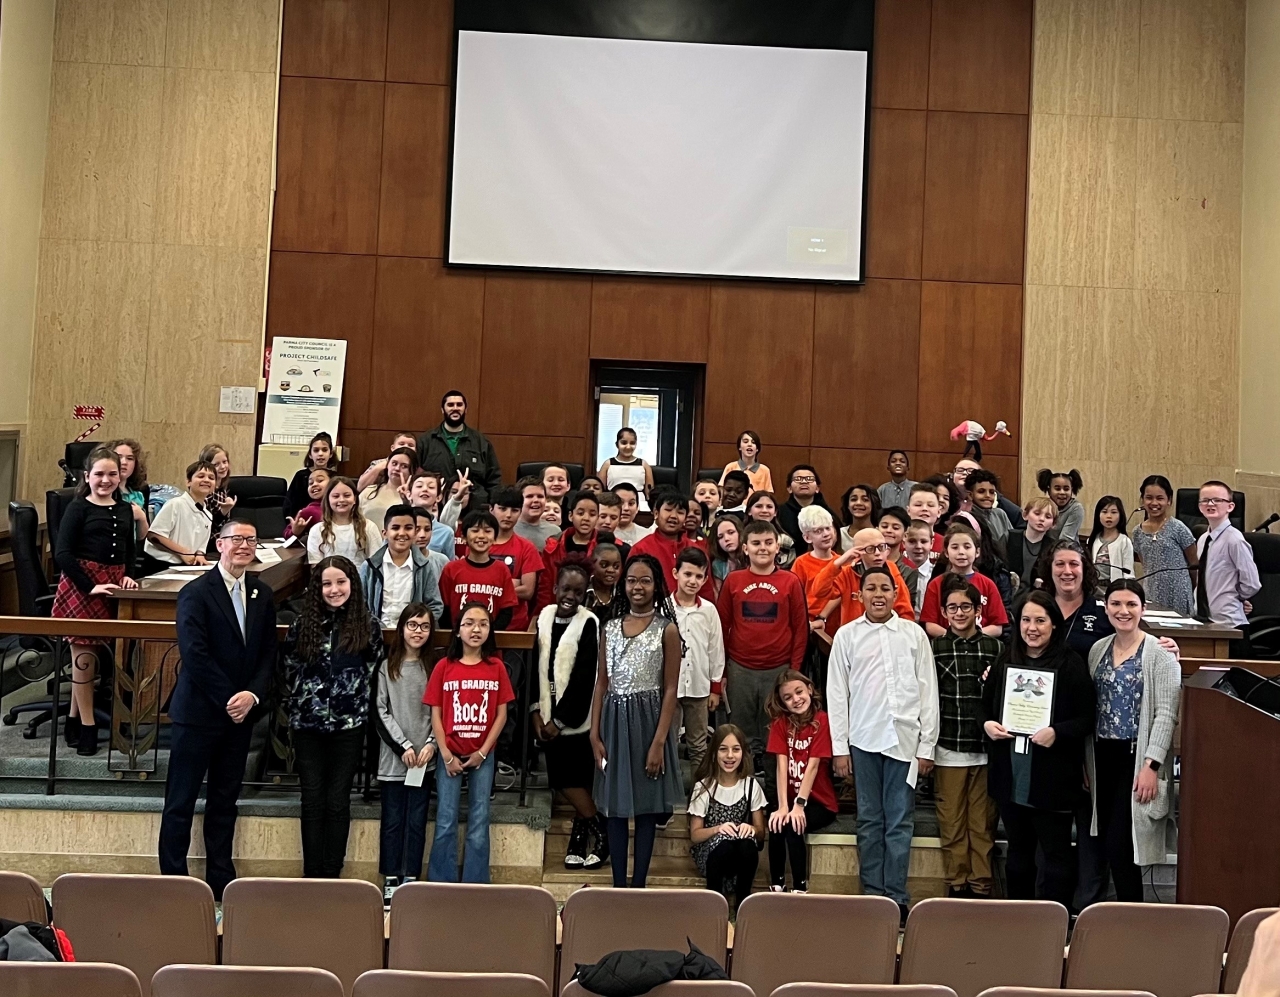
[1230,800]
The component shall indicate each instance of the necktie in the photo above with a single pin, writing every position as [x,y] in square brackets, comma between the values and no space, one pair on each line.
[1202,590]
[237,600]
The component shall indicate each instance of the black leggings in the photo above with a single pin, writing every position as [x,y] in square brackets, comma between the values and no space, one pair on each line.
[787,842]
[327,763]
[646,831]
[731,868]
[1114,763]
[1027,828]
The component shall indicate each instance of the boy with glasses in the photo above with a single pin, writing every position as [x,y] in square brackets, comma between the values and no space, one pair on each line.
[840,582]
[805,487]
[962,657]
[1228,574]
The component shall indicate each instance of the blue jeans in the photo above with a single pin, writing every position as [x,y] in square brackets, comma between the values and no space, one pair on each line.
[443,866]
[886,821]
[404,828]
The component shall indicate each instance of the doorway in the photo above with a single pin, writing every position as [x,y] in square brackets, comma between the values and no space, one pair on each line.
[660,404]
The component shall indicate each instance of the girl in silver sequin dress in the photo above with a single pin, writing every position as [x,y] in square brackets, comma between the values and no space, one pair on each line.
[633,733]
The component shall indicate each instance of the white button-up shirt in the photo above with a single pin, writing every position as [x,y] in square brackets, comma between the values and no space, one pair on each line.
[882,691]
[703,663]
[397,589]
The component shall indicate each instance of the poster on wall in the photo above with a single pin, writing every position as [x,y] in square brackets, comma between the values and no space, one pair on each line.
[304,389]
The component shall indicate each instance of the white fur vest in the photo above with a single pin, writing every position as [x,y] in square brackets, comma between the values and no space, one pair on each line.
[566,655]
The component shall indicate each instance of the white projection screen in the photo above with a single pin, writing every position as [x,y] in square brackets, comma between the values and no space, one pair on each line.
[732,144]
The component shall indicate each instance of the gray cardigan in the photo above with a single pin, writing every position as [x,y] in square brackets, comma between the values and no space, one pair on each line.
[1158,715]
[403,718]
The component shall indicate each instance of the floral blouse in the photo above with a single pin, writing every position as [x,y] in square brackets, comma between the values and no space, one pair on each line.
[1119,696]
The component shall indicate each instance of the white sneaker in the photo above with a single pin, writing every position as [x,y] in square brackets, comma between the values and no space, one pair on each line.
[389,886]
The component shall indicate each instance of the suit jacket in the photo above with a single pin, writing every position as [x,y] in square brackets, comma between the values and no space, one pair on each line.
[217,662]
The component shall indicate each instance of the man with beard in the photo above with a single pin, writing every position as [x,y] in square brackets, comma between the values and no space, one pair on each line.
[459,453]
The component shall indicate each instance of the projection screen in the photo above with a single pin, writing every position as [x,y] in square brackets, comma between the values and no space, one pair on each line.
[734,144]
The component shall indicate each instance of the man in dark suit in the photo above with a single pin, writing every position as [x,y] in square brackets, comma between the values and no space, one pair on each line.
[227,636]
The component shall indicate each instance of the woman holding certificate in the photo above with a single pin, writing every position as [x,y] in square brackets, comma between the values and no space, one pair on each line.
[1137,684]
[1037,712]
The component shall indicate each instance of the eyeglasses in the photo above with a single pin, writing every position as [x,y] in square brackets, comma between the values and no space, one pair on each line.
[239,541]
[1211,502]
[414,627]
[964,607]
[804,479]
[873,549]
[473,624]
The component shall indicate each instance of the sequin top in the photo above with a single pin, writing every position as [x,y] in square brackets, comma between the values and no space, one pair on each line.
[634,663]
[1119,695]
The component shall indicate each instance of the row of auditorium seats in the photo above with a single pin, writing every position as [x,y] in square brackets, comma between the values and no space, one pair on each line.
[145,923]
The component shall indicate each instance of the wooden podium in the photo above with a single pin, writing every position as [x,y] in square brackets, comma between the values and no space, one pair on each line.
[1230,804]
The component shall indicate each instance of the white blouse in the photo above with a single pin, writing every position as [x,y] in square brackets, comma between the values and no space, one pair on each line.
[344,543]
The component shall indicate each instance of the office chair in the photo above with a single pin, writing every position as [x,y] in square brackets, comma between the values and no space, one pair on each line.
[35,661]
[260,499]
[1187,508]
[73,459]
[1264,623]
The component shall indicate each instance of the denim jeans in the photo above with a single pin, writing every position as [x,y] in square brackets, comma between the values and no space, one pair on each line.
[886,821]
[404,828]
[443,866]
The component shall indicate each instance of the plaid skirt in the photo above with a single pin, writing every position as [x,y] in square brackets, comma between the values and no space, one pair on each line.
[70,603]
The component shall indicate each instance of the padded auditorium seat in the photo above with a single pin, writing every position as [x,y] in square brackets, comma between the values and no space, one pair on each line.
[244,981]
[402,983]
[334,924]
[142,922]
[964,944]
[597,922]
[1242,945]
[67,979]
[1170,950]
[1050,992]
[21,898]
[791,938]
[433,929]
[680,988]
[861,990]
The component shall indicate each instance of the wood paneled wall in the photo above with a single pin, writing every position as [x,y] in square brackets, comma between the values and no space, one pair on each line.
[1131,357]
[829,375]
[154,235]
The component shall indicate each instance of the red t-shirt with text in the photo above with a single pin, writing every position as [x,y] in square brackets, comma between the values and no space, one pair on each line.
[468,697]
[799,744]
[465,581]
[520,557]
[990,613]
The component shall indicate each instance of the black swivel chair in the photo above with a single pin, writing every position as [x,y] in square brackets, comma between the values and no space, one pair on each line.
[73,458]
[709,472]
[56,501]
[260,500]
[1187,509]
[1264,623]
[534,468]
[665,476]
[35,598]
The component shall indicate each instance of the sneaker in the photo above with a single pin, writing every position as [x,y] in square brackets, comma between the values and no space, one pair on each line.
[388,888]
[666,821]
[598,853]
[777,889]
[505,777]
[576,854]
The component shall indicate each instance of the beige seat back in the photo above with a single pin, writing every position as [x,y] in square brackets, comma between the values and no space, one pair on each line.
[21,898]
[965,944]
[1051,992]
[599,921]
[142,922]
[67,979]
[433,928]
[1242,945]
[333,924]
[860,990]
[797,938]
[244,981]
[405,983]
[1170,950]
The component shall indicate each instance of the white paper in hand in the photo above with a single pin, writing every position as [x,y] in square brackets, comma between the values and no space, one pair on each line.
[416,775]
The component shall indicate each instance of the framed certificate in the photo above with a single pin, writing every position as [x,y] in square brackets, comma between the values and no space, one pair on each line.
[1028,700]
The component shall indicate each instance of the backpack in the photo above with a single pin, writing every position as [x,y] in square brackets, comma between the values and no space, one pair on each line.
[631,972]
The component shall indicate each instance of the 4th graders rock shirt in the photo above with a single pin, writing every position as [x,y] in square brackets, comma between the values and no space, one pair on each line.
[468,697]
[813,740]
[465,581]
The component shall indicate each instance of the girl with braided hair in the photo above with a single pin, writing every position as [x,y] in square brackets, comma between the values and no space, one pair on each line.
[633,730]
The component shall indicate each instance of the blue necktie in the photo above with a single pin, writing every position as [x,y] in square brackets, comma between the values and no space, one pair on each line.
[237,600]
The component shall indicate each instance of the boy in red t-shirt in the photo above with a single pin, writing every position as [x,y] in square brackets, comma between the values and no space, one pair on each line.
[923,505]
[670,509]
[468,693]
[478,577]
[800,737]
[519,555]
[766,630]
[959,552]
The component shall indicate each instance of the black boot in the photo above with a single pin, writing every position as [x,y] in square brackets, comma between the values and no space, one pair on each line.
[88,744]
[598,853]
[71,731]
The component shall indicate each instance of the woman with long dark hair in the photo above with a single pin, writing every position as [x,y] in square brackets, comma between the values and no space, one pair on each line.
[1035,779]
[633,729]
[331,649]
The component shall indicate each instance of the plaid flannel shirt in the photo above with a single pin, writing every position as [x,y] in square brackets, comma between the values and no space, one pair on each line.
[961,663]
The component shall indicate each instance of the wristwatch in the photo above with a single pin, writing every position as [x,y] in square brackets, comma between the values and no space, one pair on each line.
[1155,765]
[801,801]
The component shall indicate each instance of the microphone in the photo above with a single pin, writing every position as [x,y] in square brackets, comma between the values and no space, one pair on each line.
[1262,527]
